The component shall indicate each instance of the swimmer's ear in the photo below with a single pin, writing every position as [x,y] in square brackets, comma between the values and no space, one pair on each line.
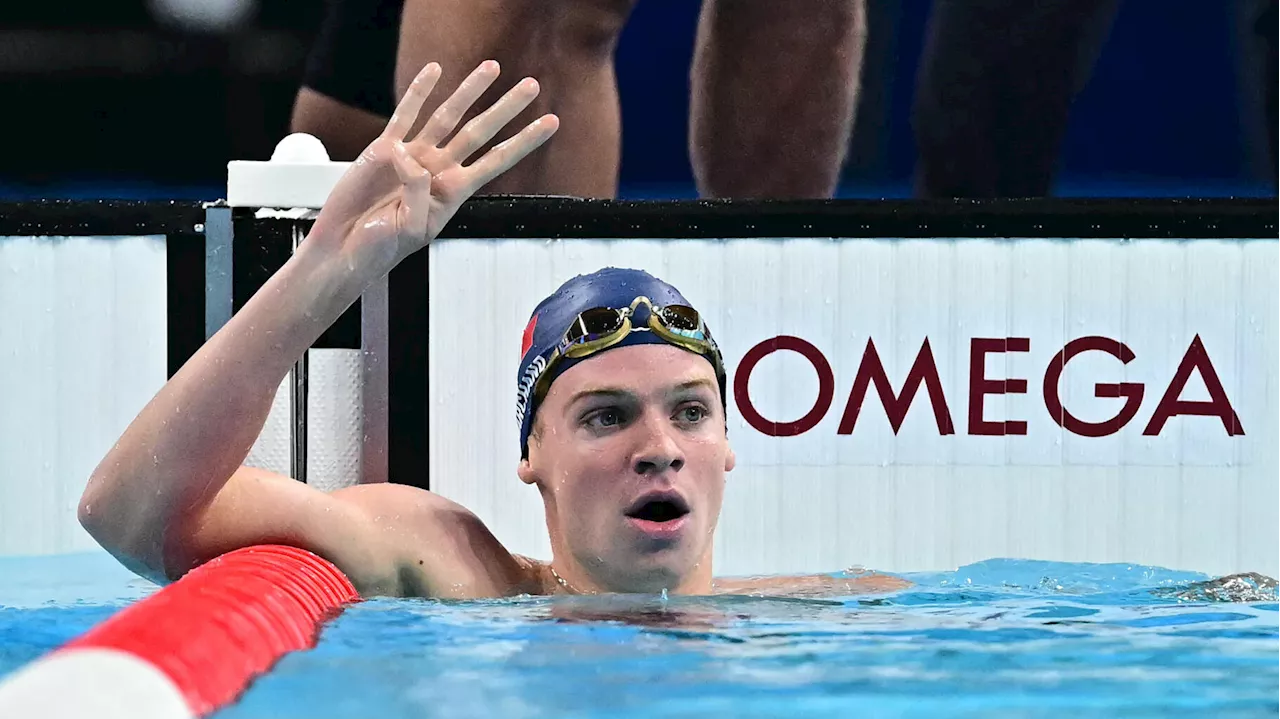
[526,473]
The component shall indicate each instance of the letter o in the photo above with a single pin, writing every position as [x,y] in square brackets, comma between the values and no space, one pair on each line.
[826,386]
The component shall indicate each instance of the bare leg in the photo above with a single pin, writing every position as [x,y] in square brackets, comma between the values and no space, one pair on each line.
[774,91]
[567,44]
[1266,27]
[346,96]
[344,130]
[994,92]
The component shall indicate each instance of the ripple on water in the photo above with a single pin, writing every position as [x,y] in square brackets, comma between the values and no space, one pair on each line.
[993,639]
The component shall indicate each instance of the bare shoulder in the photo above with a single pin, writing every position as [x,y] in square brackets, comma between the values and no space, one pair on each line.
[396,499]
[814,585]
[441,548]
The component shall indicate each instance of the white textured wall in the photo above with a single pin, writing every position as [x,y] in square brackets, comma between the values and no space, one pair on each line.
[1190,498]
[82,350]
[335,422]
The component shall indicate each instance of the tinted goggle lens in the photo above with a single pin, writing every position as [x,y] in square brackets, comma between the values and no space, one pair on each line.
[593,324]
[679,318]
[602,323]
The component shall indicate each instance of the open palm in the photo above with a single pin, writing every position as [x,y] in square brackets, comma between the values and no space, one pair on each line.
[405,188]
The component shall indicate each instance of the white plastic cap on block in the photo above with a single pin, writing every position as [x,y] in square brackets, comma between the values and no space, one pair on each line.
[299,174]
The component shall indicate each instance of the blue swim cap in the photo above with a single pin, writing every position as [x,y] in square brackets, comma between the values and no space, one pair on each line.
[610,287]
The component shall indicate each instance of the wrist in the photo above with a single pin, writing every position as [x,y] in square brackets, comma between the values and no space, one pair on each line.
[331,255]
[324,280]
[300,300]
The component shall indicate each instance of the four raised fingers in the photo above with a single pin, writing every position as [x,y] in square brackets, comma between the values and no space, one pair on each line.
[487,124]
[477,132]
[450,112]
[504,155]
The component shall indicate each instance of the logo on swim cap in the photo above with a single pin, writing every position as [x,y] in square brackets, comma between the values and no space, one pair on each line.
[527,341]
[527,381]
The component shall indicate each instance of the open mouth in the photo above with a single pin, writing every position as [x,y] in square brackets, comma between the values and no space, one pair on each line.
[659,507]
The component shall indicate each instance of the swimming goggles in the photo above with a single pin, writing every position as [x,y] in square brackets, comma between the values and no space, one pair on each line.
[600,328]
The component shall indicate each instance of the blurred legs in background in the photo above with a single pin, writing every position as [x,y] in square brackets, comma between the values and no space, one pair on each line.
[1267,31]
[774,90]
[773,85]
[566,44]
[368,51]
[344,130]
[996,82]
[347,93]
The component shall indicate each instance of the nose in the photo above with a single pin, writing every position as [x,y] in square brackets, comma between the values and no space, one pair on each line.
[656,449]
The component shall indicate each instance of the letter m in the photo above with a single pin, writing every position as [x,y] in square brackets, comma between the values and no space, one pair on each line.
[924,371]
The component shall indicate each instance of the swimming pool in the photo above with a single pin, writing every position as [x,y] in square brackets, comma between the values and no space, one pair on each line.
[1002,637]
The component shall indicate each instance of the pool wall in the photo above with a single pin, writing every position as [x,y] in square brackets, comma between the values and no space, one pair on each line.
[1059,410]
[100,302]
[1093,381]
[82,338]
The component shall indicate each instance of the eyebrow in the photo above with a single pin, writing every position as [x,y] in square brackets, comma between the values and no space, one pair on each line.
[619,393]
[701,382]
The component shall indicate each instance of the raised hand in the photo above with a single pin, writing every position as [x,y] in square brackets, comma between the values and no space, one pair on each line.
[406,186]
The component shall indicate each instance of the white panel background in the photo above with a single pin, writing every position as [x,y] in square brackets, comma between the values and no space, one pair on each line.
[335,422]
[82,350]
[1191,498]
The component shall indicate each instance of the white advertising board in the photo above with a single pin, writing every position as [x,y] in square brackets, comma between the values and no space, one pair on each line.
[82,351]
[921,404]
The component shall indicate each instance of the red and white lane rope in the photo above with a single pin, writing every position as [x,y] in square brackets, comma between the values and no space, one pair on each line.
[190,648]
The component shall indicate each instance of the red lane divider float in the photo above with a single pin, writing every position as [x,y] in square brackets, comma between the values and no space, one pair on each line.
[190,648]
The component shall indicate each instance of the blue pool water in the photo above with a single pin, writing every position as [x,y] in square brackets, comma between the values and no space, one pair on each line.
[997,638]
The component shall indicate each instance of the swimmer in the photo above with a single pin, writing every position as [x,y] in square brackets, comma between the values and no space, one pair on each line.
[620,391]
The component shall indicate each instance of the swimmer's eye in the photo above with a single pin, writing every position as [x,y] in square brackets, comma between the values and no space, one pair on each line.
[603,418]
[693,414]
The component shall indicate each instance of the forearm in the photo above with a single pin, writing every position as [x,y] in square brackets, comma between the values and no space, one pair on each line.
[192,436]
[774,92]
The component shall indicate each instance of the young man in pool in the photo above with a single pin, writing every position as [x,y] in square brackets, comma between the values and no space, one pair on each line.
[627,445]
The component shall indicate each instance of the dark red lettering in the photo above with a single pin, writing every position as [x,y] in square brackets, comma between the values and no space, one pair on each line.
[1196,358]
[826,386]
[872,370]
[980,386]
[1131,391]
